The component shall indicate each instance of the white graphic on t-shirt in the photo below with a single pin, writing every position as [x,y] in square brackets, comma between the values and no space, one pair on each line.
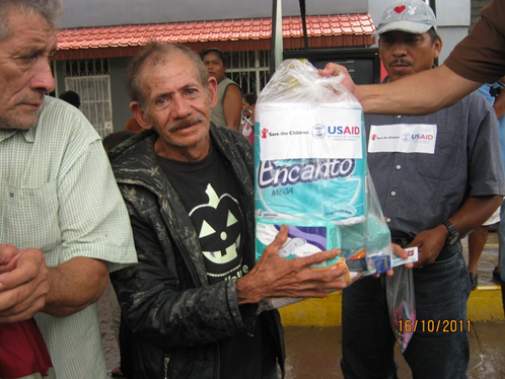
[224,235]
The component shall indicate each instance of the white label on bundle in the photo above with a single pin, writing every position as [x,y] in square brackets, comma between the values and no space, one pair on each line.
[403,138]
[298,131]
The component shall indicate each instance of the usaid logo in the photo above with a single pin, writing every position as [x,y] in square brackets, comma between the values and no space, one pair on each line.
[418,137]
[335,131]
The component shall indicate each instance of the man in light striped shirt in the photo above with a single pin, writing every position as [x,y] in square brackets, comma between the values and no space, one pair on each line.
[63,224]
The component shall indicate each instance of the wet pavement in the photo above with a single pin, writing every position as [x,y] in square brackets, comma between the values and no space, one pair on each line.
[488,259]
[314,353]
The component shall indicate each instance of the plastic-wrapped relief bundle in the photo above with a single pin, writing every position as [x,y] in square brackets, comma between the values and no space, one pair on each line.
[311,171]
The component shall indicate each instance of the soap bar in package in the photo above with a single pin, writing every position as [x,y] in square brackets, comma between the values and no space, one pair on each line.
[303,240]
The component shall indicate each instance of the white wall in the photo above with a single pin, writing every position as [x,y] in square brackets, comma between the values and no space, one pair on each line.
[453,17]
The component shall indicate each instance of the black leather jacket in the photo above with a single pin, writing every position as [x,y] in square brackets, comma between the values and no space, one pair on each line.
[172,319]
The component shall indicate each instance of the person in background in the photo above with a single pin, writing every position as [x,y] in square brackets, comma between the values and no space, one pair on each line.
[248,118]
[228,108]
[71,97]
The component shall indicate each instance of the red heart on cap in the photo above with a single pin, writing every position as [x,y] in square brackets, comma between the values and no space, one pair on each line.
[400,8]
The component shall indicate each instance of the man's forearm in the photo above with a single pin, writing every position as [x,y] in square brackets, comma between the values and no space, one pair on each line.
[74,285]
[474,212]
[421,93]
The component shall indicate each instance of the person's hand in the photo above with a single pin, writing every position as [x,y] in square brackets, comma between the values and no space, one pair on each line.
[430,243]
[23,289]
[274,276]
[333,69]
[8,257]
[401,253]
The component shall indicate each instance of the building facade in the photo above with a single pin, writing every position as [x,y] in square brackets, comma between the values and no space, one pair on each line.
[94,47]
[93,61]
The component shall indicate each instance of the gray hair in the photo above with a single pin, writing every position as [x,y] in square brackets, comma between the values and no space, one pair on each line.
[48,9]
[156,53]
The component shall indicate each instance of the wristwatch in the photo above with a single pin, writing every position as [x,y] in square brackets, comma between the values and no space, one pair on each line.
[452,233]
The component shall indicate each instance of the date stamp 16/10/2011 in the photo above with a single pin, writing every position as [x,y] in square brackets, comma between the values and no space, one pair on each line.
[434,326]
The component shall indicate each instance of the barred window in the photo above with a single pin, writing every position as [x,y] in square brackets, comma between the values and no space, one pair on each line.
[91,80]
[87,67]
[250,69]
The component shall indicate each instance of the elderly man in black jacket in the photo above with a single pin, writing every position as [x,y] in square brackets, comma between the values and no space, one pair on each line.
[191,306]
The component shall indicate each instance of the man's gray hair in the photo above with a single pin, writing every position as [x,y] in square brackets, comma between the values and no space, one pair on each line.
[48,9]
[156,53]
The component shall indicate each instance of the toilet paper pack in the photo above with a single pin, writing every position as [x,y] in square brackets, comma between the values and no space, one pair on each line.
[307,155]
[311,172]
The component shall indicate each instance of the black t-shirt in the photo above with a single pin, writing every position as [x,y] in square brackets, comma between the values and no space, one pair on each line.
[211,195]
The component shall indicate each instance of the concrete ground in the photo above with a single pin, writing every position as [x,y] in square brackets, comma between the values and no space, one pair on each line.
[314,353]
[488,259]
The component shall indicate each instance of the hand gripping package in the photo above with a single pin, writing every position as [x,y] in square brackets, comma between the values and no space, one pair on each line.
[311,171]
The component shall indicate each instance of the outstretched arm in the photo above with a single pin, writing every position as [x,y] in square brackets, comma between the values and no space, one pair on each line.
[421,93]
[424,92]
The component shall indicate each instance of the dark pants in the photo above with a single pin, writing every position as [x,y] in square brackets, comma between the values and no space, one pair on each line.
[441,292]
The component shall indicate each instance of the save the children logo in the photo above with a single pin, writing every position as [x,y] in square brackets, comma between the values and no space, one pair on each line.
[264,133]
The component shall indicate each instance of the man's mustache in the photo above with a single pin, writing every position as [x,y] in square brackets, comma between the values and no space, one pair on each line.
[184,123]
[400,62]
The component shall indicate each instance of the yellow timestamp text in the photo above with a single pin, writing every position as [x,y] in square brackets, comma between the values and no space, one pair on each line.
[434,326]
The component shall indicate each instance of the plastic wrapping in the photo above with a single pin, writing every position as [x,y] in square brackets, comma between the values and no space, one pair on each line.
[311,171]
[401,305]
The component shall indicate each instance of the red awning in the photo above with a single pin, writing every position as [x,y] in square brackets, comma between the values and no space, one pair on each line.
[237,34]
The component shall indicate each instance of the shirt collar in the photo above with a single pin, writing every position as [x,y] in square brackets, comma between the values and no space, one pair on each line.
[29,135]
[6,134]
